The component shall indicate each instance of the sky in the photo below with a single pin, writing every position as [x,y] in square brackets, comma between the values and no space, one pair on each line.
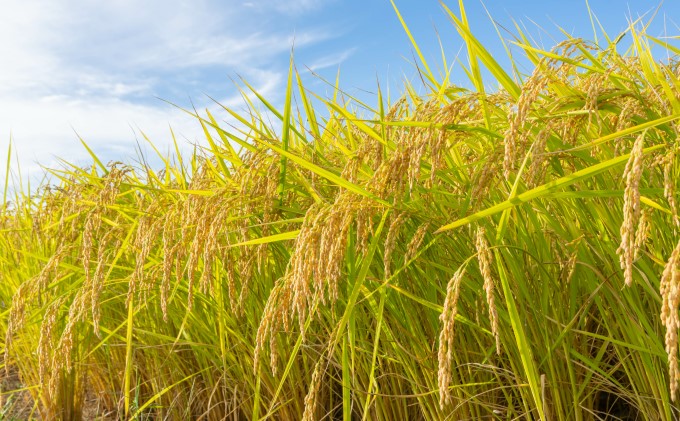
[105,71]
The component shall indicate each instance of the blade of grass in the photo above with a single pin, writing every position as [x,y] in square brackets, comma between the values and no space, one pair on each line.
[359,281]
[346,382]
[93,155]
[483,54]
[285,134]
[325,174]
[545,189]
[291,235]
[7,166]
[127,376]
[428,73]
[163,391]
[523,347]
[372,382]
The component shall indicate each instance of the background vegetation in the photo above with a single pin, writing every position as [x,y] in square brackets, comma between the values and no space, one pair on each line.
[459,254]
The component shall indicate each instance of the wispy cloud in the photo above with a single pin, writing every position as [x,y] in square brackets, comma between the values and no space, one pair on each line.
[331,60]
[290,7]
[96,68]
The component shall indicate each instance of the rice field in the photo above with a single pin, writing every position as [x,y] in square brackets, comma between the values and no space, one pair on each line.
[454,253]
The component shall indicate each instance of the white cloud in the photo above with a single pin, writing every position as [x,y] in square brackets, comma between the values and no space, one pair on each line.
[48,128]
[95,67]
[290,7]
[331,60]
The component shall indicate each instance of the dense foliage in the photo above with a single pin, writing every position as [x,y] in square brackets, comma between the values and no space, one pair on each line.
[461,254]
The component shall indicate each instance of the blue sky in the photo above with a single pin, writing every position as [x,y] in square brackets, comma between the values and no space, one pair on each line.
[98,68]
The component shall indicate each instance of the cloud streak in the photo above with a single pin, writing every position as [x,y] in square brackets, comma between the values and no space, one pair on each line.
[291,7]
[96,68]
[331,60]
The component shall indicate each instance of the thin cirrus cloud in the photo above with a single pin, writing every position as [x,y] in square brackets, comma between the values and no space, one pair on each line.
[331,60]
[97,68]
[291,7]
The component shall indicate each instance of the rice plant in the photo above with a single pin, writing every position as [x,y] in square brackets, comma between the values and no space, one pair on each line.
[457,254]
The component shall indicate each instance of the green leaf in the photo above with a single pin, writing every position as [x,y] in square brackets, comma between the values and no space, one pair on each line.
[9,160]
[285,134]
[477,50]
[334,178]
[291,235]
[544,190]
